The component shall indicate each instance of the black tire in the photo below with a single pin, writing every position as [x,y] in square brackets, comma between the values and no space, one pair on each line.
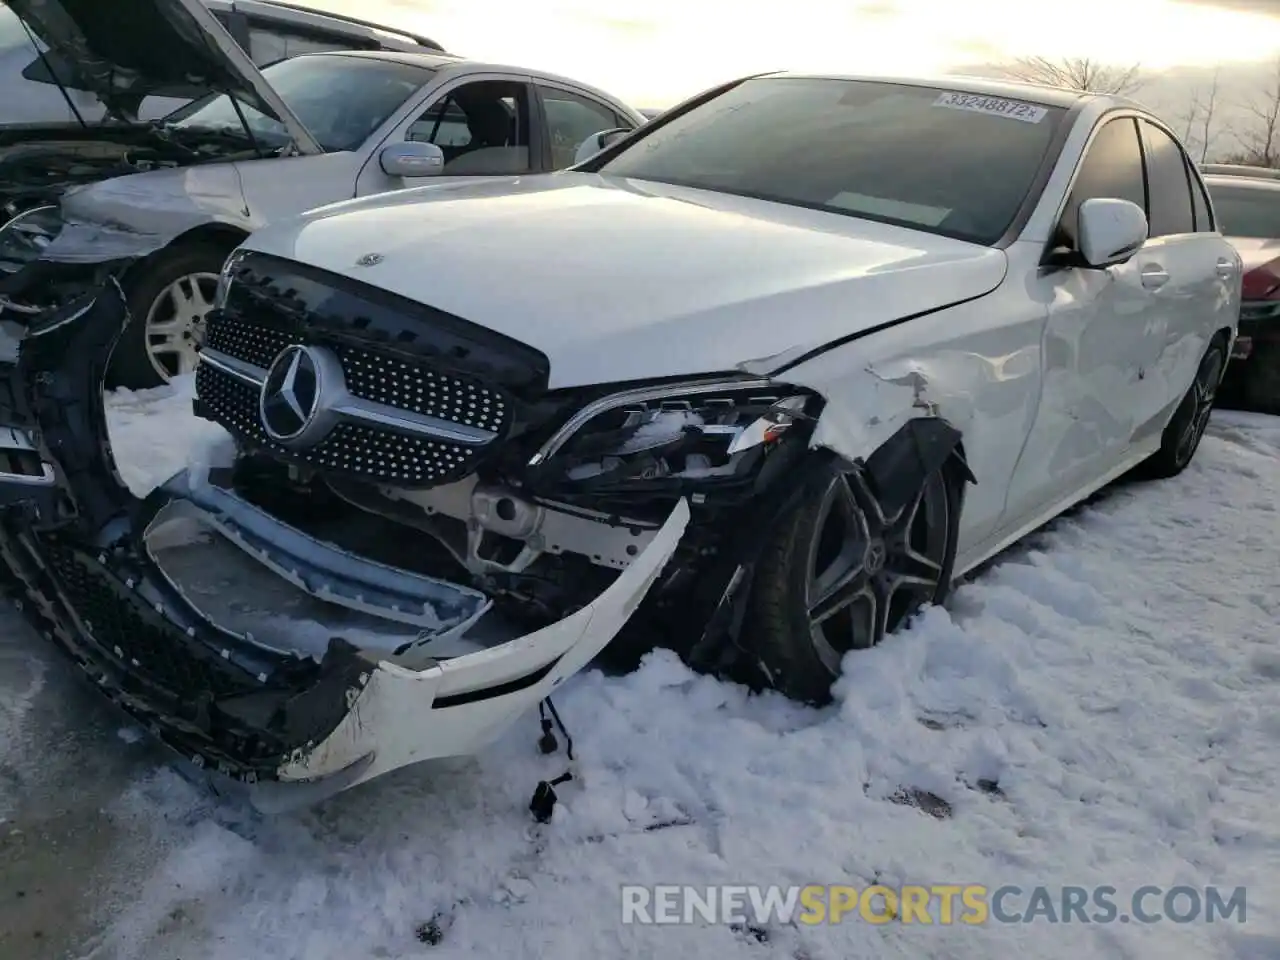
[132,363]
[1182,436]
[777,629]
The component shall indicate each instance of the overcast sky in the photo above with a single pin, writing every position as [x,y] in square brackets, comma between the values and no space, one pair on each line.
[656,52]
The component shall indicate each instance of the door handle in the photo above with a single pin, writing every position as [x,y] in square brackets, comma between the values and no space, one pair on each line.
[1226,269]
[1154,276]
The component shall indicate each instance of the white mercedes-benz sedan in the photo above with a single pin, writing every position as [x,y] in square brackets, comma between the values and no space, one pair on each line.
[756,382]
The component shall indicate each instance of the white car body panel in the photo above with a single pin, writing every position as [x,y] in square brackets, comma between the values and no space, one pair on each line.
[733,273]
[1059,380]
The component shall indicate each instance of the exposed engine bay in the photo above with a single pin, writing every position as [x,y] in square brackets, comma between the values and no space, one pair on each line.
[40,163]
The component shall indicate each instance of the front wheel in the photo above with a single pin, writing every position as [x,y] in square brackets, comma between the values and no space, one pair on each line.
[838,575]
[168,302]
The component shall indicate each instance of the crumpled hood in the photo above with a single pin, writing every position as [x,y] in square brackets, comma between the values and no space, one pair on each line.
[126,50]
[619,280]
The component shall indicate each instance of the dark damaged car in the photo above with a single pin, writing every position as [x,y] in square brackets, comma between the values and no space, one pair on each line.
[705,390]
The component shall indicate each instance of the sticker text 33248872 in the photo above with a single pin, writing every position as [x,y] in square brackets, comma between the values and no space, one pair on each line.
[996,106]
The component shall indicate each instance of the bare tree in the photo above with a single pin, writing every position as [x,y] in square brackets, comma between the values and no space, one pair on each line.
[1260,139]
[1198,118]
[1076,73]
[1189,120]
[1207,105]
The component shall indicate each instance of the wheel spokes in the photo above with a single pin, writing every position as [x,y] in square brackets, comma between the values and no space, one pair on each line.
[840,583]
[1203,392]
[854,598]
[174,322]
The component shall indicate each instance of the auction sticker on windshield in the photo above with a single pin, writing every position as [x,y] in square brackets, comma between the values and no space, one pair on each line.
[996,106]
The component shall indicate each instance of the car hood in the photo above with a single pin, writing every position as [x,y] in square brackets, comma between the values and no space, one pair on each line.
[619,280]
[126,50]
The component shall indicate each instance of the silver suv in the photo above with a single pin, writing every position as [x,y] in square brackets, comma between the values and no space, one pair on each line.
[267,30]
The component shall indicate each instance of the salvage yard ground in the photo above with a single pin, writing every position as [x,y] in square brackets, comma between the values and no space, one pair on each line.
[1102,706]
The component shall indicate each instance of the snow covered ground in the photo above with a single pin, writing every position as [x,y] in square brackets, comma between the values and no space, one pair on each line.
[1102,707]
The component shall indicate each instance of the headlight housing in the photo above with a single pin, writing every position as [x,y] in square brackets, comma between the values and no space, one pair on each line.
[681,437]
[24,237]
[226,276]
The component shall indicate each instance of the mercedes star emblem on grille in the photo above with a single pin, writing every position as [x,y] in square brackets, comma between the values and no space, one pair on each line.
[290,398]
[369,260]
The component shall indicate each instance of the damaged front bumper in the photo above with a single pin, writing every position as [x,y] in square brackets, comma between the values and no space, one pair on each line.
[80,552]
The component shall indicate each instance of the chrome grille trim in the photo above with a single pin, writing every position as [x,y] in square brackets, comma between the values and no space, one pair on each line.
[358,409]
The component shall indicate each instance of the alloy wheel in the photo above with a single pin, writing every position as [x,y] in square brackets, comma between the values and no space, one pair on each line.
[175,323]
[869,572]
[1198,405]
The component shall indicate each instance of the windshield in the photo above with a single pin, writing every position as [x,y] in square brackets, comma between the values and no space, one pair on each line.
[1251,212]
[949,163]
[339,99]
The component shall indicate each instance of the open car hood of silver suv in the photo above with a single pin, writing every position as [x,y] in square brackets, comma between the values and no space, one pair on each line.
[126,50]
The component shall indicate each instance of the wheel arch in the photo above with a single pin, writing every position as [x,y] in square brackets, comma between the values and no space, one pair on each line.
[900,465]
[1227,336]
[214,232]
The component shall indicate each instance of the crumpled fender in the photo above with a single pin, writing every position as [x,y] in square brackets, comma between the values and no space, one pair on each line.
[133,216]
[975,366]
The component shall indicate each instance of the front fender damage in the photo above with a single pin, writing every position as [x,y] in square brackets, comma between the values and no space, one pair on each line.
[888,430]
[289,728]
[108,226]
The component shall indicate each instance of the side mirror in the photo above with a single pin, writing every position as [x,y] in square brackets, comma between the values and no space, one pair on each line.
[1110,231]
[597,142]
[413,158]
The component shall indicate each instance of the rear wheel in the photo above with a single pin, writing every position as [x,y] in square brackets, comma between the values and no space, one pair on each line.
[839,575]
[168,302]
[1182,436]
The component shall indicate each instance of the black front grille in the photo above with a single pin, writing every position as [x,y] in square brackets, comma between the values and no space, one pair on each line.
[393,352]
[251,342]
[416,387]
[355,450]
[119,629]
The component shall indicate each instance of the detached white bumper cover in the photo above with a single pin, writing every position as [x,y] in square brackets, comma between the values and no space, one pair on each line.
[461,705]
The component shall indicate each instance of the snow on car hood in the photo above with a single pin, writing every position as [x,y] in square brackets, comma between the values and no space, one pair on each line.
[622,280]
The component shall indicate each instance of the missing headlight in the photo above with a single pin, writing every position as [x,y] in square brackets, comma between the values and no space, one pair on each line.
[24,236]
[680,435]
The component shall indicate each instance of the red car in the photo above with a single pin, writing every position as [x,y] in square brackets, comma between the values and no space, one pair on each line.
[1248,212]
